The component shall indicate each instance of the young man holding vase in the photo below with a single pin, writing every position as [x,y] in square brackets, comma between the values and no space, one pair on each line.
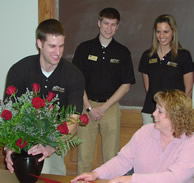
[53,73]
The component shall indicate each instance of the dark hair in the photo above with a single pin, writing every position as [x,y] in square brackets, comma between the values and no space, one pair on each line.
[111,13]
[50,26]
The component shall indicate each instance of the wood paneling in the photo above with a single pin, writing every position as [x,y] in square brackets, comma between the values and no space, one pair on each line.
[45,9]
[131,121]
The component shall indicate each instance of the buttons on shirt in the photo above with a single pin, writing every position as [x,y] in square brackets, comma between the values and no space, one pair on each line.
[163,60]
[103,52]
[46,81]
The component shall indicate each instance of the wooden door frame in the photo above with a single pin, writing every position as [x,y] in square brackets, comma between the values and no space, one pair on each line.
[48,9]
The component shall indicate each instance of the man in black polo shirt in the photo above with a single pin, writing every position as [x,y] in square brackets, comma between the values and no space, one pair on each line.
[52,73]
[108,72]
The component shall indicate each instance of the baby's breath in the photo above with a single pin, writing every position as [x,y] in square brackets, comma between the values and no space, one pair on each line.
[35,126]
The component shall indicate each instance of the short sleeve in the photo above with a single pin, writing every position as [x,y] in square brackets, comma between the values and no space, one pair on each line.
[143,64]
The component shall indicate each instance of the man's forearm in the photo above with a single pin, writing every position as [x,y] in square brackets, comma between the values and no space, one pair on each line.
[71,125]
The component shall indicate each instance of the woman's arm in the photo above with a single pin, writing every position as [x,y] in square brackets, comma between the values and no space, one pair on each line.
[146,81]
[188,82]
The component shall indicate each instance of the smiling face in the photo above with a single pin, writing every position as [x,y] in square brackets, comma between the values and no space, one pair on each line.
[51,51]
[164,34]
[162,122]
[108,27]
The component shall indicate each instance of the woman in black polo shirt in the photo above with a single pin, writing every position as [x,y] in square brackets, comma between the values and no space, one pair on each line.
[166,65]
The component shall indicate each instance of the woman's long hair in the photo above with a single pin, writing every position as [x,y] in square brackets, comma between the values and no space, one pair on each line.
[174,45]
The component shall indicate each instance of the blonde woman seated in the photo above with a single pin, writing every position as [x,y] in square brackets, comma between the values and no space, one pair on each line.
[162,152]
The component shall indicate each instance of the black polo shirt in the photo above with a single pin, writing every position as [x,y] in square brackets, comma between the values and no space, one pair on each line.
[164,74]
[104,69]
[66,80]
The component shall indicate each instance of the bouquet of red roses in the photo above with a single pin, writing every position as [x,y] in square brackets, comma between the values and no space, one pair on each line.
[29,120]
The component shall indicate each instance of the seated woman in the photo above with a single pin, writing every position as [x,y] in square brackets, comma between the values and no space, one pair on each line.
[162,152]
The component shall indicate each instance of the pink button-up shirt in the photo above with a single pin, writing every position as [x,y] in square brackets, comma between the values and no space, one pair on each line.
[151,164]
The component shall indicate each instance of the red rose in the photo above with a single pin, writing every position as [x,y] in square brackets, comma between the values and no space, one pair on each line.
[10,90]
[36,88]
[84,119]
[63,129]
[6,114]
[20,143]
[50,96]
[38,102]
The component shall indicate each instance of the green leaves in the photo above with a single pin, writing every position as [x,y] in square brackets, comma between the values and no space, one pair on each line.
[30,126]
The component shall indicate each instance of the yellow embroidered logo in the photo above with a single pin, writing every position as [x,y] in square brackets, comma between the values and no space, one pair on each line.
[153,60]
[173,64]
[114,61]
[92,57]
[58,89]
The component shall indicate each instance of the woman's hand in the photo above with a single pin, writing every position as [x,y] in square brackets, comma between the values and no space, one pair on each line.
[90,176]
[38,149]
[121,179]
[9,161]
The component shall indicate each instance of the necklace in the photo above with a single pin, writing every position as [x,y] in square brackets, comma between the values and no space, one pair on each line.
[162,53]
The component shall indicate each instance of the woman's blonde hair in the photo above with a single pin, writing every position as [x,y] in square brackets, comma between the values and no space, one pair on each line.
[175,45]
[179,110]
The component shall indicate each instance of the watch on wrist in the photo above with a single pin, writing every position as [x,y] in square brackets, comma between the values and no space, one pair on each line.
[88,109]
[5,148]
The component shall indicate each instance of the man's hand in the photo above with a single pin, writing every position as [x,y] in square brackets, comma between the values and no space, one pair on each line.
[9,161]
[47,151]
[97,113]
